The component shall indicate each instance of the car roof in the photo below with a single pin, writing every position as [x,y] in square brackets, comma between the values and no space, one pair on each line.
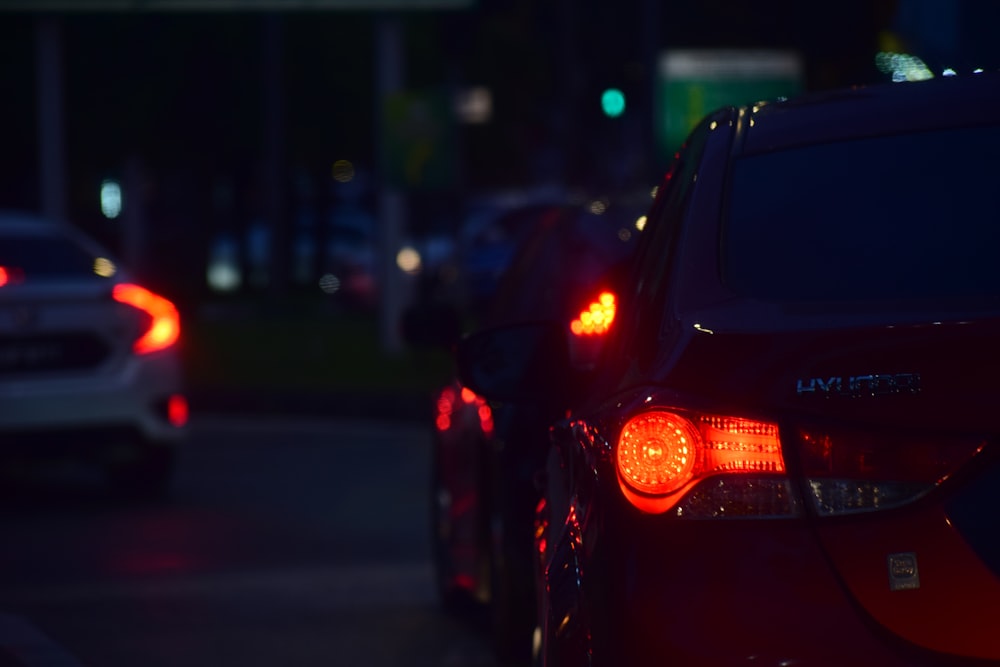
[878,109]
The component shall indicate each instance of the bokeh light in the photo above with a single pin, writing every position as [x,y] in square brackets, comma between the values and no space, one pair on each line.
[343,171]
[111,198]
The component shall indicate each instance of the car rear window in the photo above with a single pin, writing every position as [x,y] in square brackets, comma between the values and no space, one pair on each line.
[893,217]
[46,257]
[560,260]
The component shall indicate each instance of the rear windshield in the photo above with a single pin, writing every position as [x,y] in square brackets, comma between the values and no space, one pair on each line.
[897,217]
[561,260]
[46,257]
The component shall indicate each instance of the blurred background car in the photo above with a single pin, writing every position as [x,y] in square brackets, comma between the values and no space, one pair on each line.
[486,455]
[493,227]
[788,453]
[89,368]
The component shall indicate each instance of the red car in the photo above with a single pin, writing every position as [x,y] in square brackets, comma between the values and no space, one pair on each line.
[789,454]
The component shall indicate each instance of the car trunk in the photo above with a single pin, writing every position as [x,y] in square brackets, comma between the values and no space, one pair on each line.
[63,327]
[891,434]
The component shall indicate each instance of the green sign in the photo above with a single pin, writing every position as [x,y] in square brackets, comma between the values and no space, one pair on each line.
[693,83]
[418,142]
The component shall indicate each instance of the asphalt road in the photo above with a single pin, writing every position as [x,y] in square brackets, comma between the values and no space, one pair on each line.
[286,541]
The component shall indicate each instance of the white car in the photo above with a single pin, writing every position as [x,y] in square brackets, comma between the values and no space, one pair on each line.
[89,364]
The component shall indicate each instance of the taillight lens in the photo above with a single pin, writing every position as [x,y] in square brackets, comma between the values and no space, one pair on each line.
[596,319]
[10,275]
[165,324]
[444,407]
[663,455]
[656,452]
[448,401]
[178,410]
[857,470]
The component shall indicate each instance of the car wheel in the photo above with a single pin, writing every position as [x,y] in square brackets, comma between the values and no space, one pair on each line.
[145,475]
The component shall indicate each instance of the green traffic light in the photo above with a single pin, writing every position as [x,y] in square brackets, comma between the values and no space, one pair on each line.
[613,102]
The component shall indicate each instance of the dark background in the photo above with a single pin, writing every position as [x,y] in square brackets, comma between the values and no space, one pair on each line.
[184,97]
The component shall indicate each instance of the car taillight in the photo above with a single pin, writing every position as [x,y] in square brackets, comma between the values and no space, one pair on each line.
[10,275]
[703,466]
[854,470]
[178,410]
[164,326]
[447,402]
[444,407]
[596,319]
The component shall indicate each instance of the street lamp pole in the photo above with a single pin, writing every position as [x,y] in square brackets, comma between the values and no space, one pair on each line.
[391,200]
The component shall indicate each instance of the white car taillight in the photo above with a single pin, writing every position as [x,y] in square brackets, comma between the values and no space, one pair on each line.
[164,326]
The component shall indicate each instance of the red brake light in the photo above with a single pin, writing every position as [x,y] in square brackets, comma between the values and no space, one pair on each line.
[10,275]
[661,454]
[445,406]
[597,318]
[164,328]
[448,401]
[177,410]
[656,452]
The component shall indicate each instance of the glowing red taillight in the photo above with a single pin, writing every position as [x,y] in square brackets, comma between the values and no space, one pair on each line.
[448,402]
[663,454]
[10,275]
[165,324]
[444,406]
[483,411]
[596,319]
[178,411]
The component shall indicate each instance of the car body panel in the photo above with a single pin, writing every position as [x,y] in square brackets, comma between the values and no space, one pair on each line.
[71,381]
[882,549]
[488,452]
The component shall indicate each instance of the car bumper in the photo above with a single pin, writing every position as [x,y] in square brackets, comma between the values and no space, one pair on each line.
[727,592]
[133,398]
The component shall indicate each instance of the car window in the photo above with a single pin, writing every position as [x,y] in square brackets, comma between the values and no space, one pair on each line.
[887,218]
[46,257]
[569,252]
[643,307]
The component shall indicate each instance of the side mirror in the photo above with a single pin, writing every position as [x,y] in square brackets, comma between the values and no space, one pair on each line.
[517,363]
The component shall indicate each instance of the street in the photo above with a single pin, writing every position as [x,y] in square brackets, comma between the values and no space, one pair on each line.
[285,542]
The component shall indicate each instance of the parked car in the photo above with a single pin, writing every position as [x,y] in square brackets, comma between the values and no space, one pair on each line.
[485,454]
[89,367]
[789,453]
